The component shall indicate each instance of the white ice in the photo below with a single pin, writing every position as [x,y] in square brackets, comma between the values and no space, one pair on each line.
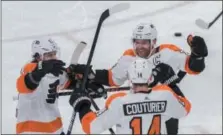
[22,19]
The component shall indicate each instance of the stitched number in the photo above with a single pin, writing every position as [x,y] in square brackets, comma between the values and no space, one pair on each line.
[51,96]
[136,125]
[154,128]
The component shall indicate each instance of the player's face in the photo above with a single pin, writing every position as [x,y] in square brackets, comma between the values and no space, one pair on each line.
[142,48]
[140,88]
[50,55]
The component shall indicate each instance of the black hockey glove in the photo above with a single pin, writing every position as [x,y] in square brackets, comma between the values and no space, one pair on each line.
[79,99]
[164,74]
[54,67]
[96,90]
[198,46]
[78,69]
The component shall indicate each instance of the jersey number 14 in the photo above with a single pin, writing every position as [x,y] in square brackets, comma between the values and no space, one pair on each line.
[136,125]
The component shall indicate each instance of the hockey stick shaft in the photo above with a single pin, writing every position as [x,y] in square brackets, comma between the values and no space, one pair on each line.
[215,19]
[103,17]
[107,90]
[74,59]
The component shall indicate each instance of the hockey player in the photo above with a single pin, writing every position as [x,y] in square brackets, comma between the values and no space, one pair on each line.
[142,111]
[40,79]
[144,46]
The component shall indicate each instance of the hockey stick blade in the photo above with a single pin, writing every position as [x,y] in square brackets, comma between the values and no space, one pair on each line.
[77,52]
[202,24]
[118,8]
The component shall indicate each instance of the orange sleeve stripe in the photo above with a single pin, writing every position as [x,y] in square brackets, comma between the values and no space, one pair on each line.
[110,80]
[86,121]
[187,69]
[187,104]
[42,127]
[129,52]
[20,84]
[169,46]
[113,97]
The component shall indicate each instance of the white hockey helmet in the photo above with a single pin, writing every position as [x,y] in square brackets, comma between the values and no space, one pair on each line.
[44,45]
[145,31]
[139,71]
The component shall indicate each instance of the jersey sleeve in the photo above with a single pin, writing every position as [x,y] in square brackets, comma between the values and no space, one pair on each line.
[179,59]
[20,83]
[118,73]
[96,123]
[177,106]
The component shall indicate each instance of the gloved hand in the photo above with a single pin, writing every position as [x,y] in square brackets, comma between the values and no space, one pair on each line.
[198,46]
[78,69]
[96,90]
[78,99]
[54,67]
[164,74]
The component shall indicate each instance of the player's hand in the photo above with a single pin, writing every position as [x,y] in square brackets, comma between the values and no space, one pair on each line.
[163,73]
[77,71]
[79,99]
[95,90]
[54,67]
[198,46]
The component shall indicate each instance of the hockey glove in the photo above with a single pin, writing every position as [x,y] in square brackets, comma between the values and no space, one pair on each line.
[54,67]
[78,99]
[198,46]
[96,90]
[77,71]
[164,74]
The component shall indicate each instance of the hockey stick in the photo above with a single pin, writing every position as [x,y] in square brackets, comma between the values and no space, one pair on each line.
[74,60]
[103,17]
[107,90]
[124,88]
[202,24]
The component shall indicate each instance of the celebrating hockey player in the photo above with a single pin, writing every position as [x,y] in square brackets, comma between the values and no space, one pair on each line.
[37,109]
[142,111]
[144,46]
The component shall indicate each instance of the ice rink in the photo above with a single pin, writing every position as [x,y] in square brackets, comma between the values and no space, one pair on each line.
[22,22]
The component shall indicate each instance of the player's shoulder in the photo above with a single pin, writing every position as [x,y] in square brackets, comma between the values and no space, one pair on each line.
[114,97]
[129,52]
[167,46]
[28,67]
[165,91]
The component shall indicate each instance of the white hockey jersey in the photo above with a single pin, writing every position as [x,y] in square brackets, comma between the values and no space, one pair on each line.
[139,113]
[34,114]
[166,53]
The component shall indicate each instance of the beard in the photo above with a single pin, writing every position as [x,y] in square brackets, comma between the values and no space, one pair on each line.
[143,52]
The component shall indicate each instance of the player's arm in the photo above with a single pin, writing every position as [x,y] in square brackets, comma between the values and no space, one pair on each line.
[32,74]
[94,123]
[177,58]
[114,76]
[177,106]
